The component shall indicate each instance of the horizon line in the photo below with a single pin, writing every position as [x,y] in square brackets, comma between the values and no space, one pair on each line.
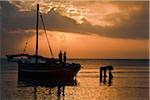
[92,58]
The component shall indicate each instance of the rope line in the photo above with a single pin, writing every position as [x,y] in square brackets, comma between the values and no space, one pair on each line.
[47,36]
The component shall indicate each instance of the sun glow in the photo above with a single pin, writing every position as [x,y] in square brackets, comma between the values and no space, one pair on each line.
[63,7]
[91,29]
[96,13]
[78,46]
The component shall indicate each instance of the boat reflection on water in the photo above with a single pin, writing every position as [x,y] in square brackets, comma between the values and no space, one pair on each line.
[49,89]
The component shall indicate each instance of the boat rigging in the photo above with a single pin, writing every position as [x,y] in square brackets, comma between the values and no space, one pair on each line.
[49,70]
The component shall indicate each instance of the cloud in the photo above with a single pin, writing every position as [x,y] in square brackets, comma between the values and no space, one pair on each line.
[64,7]
[131,25]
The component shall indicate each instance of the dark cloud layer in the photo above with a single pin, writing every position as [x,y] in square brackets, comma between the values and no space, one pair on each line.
[135,28]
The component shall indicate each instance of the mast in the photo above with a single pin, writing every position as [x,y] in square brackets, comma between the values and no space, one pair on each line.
[36,52]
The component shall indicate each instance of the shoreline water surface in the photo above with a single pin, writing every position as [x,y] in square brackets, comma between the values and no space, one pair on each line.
[130,82]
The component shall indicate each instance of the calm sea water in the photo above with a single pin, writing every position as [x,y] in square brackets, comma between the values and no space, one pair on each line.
[130,82]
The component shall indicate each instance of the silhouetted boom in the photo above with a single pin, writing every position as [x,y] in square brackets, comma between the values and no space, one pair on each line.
[12,57]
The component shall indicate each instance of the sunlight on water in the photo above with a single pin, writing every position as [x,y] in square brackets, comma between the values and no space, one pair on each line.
[129,83]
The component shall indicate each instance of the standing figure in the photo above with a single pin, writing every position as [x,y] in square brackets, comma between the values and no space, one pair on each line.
[105,69]
[60,57]
[101,75]
[110,74]
[110,78]
[65,57]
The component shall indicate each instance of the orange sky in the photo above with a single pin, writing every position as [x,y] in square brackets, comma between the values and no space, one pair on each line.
[88,46]
[95,30]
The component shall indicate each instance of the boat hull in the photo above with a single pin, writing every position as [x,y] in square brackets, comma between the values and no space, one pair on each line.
[47,73]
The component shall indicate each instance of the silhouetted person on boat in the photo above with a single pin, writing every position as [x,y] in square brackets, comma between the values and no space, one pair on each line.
[60,57]
[64,57]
